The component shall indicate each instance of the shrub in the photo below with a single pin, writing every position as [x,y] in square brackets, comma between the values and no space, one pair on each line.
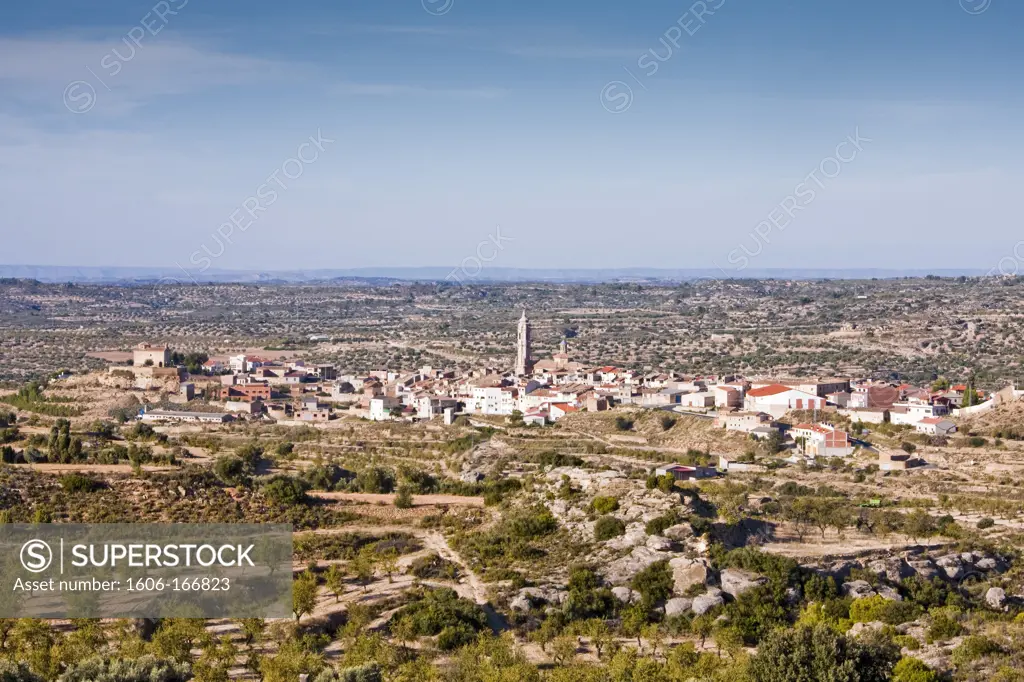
[286,490]
[604,505]
[906,642]
[654,583]
[819,653]
[985,523]
[623,424]
[974,647]
[659,525]
[403,498]
[375,480]
[878,608]
[442,612]
[608,527]
[913,670]
[943,627]
[531,523]
[433,566]
[667,422]
[77,483]
[148,668]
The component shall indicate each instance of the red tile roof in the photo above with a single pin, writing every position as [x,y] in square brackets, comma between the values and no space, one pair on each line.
[772,389]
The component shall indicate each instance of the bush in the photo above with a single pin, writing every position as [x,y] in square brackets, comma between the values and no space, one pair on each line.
[819,653]
[667,422]
[662,523]
[880,609]
[623,424]
[974,647]
[442,611]
[77,483]
[913,670]
[144,669]
[906,642]
[286,490]
[985,523]
[403,499]
[433,566]
[551,458]
[604,505]
[943,627]
[654,583]
[531,523]
[375,480]
[608,527]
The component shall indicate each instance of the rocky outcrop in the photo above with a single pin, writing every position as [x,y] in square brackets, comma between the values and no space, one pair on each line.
[625,595]
[952,565]
[622,570]
[735,582]
[677,606]
[707,601]
[858,589]
[688,572]
[996,598]
[887,592]
[893,569]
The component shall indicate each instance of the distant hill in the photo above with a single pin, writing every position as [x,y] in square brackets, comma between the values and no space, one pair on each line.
[143,275]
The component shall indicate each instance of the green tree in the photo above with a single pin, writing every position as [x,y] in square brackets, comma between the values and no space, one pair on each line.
[819,653]
[335,580]
[304,591]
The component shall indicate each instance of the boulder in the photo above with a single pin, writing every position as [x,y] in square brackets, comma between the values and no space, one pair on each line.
[952,565]
[996,597]
[634,536]
[677,606]
[707,601]
[924,568]
[892,569]
[680,531]
[622,570]
[886,592]
[687,573]
[840,570]
[659,543]
[858,589]
[520,603]
[625,595]
[735,582]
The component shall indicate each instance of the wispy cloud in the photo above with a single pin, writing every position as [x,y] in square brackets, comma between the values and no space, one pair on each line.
[126,76]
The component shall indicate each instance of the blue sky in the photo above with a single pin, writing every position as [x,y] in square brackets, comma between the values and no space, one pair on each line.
[593,134]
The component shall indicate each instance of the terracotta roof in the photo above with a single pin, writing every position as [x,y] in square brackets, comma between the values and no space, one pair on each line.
[772,389]
[933,420]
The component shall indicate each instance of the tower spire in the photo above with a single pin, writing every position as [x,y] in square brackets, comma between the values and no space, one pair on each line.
[523,361]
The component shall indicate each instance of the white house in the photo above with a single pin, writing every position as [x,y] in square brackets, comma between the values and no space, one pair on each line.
[383,407]
[935,426]
[703,399]
[492,400]
[428,407]
[913,411]
[776,400]
[823,440]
